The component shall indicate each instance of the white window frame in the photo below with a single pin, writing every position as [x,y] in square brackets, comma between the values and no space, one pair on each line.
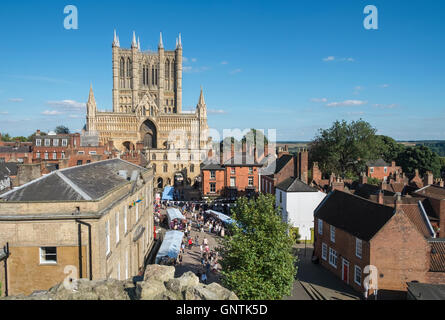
[234,181]
[92,153]
[81,152]
[324,251]
[210,187]
[38,142]
[320,226]
[54,155]
[42,255]
[37,155]
[47,142]
[46,156]
[355,275]
[212,174]
[251,181]
[64,142]
[358,248]
[371,169]
[55,142]
[117,226]
[332,233]
[333,257]
[107,238]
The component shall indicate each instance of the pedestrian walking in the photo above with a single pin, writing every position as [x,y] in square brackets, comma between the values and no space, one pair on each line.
[204,278]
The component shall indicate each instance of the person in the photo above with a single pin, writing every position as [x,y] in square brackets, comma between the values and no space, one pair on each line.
[204,277]
[197,240]
[180,259]
[190,243]
[208,266]
[222,232]
[183,247]
[205,241]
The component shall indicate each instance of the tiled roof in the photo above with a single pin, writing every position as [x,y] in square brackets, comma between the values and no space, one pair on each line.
[295,185]
[212,166]
[432,191]
[377,163]
[243,159]
[426,291]
[88,182]
[414,213]
[437,255]
[357,216]
[13,149]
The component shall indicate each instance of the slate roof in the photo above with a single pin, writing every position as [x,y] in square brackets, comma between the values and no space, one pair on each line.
[426,291]
[295,185]
[13,149]
[437,263]
[359,217]
[88,182]
[377,163]
[244,160]
[212,166]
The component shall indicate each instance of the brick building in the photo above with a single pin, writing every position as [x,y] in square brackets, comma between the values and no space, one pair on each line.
[352,233]
[435,196]
[20,152]
[96,219]
[379,169]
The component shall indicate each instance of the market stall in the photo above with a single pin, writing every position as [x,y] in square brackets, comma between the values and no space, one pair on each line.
[170,248]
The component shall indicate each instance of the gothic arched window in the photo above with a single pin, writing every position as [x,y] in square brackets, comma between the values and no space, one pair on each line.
[192,168]
[122,68]
[165,156]
[165,167]
[129,66]
[154,156]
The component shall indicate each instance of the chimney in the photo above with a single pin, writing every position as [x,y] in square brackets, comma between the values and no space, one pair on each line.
[441,184]
[428,179]
[363,178]
[303,164]
[38,132]
[398,201]
[338,185]
[380,197]
[316,173]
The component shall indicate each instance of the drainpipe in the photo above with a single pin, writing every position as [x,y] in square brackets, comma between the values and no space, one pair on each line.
[90,256]
[6,249]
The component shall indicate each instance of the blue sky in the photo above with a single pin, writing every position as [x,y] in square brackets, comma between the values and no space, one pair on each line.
[293,66]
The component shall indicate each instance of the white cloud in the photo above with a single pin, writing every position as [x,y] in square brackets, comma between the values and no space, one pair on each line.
[194,59]
[358,113]
[4,112]
[51,113]
[319,100]
[235,71]
[216,111]
[347,103]
[67,104]
[15,100]
[332,58]
[384,85]
[190,69]
[386,106]
[224,62]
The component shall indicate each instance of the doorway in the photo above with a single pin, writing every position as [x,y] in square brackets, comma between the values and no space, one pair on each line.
[345,271]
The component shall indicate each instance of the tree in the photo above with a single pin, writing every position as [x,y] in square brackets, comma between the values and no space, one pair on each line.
[6,137]
[254,135]
[257,260]
[389,149]
[345,147]
[420,157]
[62,130]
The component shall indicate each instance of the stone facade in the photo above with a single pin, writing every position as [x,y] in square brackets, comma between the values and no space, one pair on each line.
[147,112]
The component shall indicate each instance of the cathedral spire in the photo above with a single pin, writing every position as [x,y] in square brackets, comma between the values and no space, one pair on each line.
[115,40]
[201,101]
[139,44]
[180,42]
[91,104]
[201,107]
[134,43]
[161,44]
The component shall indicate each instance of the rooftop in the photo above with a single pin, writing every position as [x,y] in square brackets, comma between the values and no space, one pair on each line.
[437,255]
[378,163]
[295,185]
[432,191]
[424,291]
[88,182]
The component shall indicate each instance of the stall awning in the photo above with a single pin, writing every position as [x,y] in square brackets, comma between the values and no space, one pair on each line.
[171,245]
[221,216]
[168,193]
[173,213]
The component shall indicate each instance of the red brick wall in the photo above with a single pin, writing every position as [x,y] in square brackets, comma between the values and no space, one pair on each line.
[379,172]
[400,253]
[286,172]
[435,277]
[219,175]
[242,177]
[345,247]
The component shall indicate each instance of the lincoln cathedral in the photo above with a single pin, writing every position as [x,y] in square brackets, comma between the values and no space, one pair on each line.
[147,114]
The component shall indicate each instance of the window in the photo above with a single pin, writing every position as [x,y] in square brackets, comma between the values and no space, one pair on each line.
[107,237]
[64,142]
[48,255]
[54,155]
[56,142]
[324,251]
[358,247]
[333,257]
[38,142]
[79,162]
[165,167]
[212,187]
[38,155]
[358,275]
[117,227]
[125,220]
[92,153]
[320,226]
[81,152]
[250,181]
[153,157]
[385,169]
[178,156]
[232,182]
[88,161]
[47,142]
[333,234]
[250,170]
[165,156]
[371,169]
[46,156]
[192,168]
[63,155]
[232,171]
[213,174]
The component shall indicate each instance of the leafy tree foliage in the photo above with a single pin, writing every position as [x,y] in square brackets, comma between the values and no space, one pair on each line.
[389,149]
[345,147]
[257,260]
[254,135]
[62,130]
[420,157]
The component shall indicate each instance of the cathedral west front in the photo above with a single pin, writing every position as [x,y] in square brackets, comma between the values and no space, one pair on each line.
[147,114]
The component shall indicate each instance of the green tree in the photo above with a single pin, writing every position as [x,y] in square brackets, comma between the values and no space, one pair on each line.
[257,260]
[6,137]
[389,149]
[345,147]
[62,130]
[420,157]
[254,135]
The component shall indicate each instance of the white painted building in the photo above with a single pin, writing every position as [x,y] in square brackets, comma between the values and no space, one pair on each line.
[298,201]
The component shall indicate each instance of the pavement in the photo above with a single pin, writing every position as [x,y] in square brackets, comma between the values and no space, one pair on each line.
[316,283]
